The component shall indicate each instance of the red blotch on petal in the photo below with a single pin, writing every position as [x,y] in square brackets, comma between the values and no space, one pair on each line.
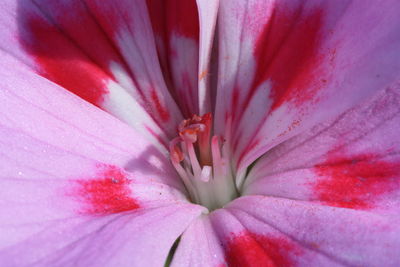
[243,250]
[60,60]
[234,103]
[161,110]
[183,18]
[278,249]
[287,53]
[355,182]
[179,16]
[173,21]
[253,144]
[107,193]
[252,250]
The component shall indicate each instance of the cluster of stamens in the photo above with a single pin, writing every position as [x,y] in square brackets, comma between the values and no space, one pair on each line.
[199,160]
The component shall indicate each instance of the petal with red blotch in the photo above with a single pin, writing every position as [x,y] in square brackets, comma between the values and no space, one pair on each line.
[241,247]
[128,24]
[199,246]
[283,249]
[56,203]
[351,161]
[77,185]
[64,42]
[55,163]
[57,48]
[177,31]
[287,65]
[343,236]
[43,111]
[140,238]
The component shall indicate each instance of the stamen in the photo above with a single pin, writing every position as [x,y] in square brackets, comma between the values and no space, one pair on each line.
[190,133]
[218,163]
[193,159]
[175,152]
[200,163]
[206,173]
[204,140]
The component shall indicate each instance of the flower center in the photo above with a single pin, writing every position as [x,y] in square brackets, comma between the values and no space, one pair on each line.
[201,162]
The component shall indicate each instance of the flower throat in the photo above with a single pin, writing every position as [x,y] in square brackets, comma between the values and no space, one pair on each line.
[200,160]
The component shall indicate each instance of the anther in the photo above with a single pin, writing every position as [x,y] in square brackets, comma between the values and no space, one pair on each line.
[200,163]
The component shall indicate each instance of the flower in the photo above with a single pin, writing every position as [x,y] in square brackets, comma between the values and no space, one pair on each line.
[211,133]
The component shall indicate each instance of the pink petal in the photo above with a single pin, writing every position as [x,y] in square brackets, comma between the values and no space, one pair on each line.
[129,24]
[199,246]
[315,235]
[223,239]
[141,238]
[79,47]
[352,161]
[77,185]
[65,122]
[286,65]
[176,28]
[254,244]
[240,247]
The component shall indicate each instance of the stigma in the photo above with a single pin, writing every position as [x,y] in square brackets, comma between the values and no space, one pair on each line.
[202,163]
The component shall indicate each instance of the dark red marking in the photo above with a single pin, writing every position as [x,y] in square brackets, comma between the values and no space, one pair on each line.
[60,60]
[159,138]
[251,250]
[108,193]
[157,15]
[287,53]
[79,23]
[161,110]
[183,18]
[279,250]
[244,251]
[252,144]
[234,103]
[355,182]
[180,18]
[186,97]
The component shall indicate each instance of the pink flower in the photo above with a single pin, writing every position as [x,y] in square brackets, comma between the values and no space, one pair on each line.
[212,133]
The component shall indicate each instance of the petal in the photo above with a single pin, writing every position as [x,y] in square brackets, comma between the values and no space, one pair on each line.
[77,185]
[321,235]
[141,238]
[176,28]
[286,65]
[42,112]
[199,246]
[81,47]
[240,248]
[351,161]
[58,214]
[129,24]
[280,248]
[208,11]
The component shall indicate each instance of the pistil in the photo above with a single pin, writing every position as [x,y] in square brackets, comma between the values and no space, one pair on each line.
[199,161]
